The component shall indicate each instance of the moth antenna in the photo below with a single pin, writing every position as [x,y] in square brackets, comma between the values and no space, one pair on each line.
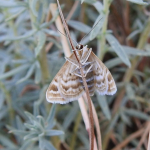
[65,25]
[67,36]
[91,30]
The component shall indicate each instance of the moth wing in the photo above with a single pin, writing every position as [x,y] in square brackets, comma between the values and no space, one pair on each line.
[104,82]
[53,94]
[65,87]
[69,85]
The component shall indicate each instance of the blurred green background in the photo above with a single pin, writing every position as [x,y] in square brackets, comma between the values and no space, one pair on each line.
[31,54]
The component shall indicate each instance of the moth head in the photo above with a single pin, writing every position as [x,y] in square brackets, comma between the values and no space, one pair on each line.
[79,47]
[79,50]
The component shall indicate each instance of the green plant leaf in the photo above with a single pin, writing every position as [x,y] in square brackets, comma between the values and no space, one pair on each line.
[113,122]
[6,142]
[130,91]
[97,26]
[99,7]
[50,118]
[38,74]
[51,32]
[70,117]
[28,75]
[15,38]
[118,49]
[104,105]
[140,2]
[135,51]
[79,26]
[53,132]
[41,42]
[113,62]
[14,71]
[82,1]
[16,15]
[44,144]
[136,113]
[32,5]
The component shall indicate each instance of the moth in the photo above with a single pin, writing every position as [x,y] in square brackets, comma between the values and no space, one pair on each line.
[68,86]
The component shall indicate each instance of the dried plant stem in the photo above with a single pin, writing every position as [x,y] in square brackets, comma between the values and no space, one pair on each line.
[76,3]
[85,117]
[53,8]
[97,126]
[98,131]
[143,139]
[129,139]
[84,81]
[148,147]
[44,65]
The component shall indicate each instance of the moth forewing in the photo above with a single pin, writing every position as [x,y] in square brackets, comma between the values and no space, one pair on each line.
[65,86]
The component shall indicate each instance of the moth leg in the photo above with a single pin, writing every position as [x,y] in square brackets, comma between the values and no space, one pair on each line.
[87,63]
[74,72]
[88,70]
[84,74]
[84,59]
[72,61]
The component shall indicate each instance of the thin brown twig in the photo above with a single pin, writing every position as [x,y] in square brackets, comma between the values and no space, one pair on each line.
[96,125]
[144,136]
[48,46]
[148,147]
[75,5]
[129,139]
[83,78]
[85,117]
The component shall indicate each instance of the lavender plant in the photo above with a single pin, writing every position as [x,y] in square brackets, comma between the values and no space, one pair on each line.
[29,54]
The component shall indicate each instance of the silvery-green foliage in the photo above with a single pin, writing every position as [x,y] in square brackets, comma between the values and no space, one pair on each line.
[24,35]
[36,129]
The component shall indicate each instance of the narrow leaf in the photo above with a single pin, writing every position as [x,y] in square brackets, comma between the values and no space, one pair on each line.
[70,117]
[140,2]
[44,144]
[104,105]
[99,7]
[25,36]
[113,122]
[53,132]
[15,15]
[29,73]
[135,51]
[41,42]
[51,32]
[113,62]
[14,71]
[33,7]
[79,26]
[38,74]
[138,114]
[51,114]
[118,49]
[97,26]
